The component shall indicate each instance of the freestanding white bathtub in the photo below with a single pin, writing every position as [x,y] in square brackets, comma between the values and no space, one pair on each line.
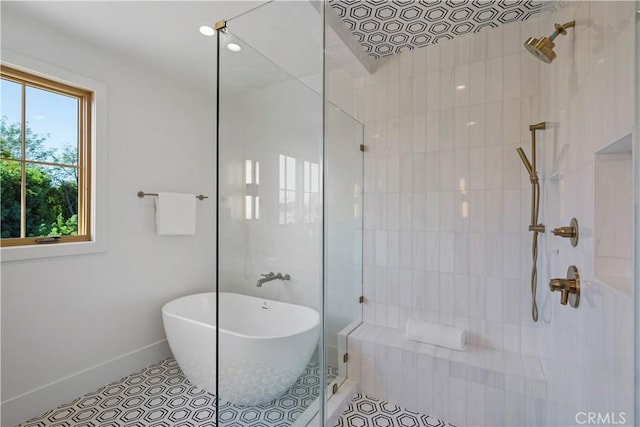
[265,345]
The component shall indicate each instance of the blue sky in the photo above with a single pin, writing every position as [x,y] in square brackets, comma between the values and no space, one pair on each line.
[47,113]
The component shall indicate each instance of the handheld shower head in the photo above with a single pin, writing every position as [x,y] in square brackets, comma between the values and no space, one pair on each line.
[543,48]
[526,162]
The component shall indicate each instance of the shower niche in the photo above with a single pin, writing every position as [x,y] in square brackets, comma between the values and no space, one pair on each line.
[614,194]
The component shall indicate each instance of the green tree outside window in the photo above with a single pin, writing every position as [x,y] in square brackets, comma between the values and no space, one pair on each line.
[51,191]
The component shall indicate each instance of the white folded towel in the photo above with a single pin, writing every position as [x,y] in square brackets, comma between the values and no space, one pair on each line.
[175,213]
[440,335]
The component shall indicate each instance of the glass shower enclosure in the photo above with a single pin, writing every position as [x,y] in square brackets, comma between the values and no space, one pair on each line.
[289,223]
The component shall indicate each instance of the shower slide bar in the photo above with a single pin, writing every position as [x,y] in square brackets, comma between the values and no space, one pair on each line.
[142,194]
[534,226]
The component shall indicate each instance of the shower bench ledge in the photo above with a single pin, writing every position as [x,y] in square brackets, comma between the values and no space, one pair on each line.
[389,366]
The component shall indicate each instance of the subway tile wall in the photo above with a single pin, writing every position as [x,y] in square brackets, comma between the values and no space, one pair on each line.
[446,198]
[447,201]
[588,96]
[483,387]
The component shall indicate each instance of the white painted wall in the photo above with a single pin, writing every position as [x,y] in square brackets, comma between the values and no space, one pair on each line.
[64,315]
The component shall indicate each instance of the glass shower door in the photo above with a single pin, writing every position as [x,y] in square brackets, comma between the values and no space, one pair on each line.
[343,237]
[269,258]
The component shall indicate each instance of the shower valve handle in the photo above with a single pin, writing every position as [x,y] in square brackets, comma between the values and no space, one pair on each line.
[569,288]
[564,231]
[571,232]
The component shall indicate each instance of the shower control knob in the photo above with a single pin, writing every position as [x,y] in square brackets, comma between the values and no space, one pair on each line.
[569,288]
[570,232]
[564,231]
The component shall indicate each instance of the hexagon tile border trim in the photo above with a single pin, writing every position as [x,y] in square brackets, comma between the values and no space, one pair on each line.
[385,27]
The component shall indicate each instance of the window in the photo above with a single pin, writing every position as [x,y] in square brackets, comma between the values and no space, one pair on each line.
[299,191]
[252,182]
[45,150]
[311,184]
[287,190]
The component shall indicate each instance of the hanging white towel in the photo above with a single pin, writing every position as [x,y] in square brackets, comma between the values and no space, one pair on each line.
[440,335]
[175,213]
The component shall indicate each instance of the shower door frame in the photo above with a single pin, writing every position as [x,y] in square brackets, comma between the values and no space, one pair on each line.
[636,204]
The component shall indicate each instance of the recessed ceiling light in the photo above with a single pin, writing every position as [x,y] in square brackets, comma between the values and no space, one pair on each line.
[234,47]
[460,87]
[207,30]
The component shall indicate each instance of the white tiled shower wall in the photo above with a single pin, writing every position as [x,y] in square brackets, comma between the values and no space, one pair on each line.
[447,201]
[588,96]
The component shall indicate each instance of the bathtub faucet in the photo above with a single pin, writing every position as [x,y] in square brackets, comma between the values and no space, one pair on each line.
[271,276]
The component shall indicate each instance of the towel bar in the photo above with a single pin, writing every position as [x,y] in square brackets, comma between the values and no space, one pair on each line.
[141,194]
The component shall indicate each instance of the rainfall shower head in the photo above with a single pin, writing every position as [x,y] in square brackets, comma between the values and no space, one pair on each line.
[526,162]
[543,48]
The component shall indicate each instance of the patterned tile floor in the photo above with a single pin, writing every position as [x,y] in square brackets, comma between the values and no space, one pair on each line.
[364,411]
[160,396]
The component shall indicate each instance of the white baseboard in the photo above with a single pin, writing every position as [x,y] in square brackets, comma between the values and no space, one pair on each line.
[33,403]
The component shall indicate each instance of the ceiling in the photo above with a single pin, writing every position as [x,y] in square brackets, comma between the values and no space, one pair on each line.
[386,27]
[163,35]
[160,35]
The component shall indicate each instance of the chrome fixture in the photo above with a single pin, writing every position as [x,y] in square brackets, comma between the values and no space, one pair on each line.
[271,276]
[543,48]
[569,288]
[530,166]
[570,232]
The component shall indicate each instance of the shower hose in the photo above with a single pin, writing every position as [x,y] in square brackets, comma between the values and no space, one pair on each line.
[535,208]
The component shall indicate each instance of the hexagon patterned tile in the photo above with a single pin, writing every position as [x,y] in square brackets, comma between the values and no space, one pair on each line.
[386,27]
[160,396]
[365,411]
